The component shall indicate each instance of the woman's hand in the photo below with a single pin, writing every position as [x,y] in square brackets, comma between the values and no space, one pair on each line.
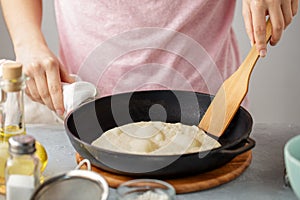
[281,13]
[24,19]
[45,76]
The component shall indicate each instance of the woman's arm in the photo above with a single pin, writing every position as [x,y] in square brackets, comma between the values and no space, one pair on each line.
[281,13]
[23,19]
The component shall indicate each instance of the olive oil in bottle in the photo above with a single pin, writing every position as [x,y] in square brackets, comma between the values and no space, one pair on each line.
[12,86]
[3,157]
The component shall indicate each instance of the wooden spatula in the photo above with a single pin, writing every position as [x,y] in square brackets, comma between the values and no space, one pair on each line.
[231,93]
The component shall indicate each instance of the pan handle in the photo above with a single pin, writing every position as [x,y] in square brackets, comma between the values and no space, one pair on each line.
[250,143]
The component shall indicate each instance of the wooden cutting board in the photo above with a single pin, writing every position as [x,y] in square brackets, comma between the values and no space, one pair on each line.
[198,182]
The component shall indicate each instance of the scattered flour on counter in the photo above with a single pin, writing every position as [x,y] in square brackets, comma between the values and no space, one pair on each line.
[156,138]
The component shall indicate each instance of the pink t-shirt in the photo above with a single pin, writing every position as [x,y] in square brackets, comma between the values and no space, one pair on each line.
[122,45]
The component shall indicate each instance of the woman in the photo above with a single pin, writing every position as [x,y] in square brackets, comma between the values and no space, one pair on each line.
[136,45]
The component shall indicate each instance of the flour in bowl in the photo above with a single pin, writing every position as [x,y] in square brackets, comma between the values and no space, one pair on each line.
[149,195]
[156,138]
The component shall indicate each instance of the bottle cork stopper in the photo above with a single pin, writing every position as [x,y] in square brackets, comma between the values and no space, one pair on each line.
[11,70]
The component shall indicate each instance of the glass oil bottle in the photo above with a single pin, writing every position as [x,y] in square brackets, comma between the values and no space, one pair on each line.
[12,122]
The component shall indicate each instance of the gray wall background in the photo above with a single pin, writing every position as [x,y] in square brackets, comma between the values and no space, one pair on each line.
[274,91]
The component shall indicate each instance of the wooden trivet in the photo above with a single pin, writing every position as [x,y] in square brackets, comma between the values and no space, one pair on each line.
[193,183]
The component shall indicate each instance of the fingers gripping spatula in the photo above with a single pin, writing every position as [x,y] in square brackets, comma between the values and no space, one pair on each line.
[231,93]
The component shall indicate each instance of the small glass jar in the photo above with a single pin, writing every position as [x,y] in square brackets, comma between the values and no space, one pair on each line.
[150,189]
[22,170]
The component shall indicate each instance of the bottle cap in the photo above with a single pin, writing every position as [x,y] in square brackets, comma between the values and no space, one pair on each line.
[22,144]
[11,70]
[13,80]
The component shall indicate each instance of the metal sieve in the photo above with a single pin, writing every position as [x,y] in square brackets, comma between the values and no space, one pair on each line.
[76,185]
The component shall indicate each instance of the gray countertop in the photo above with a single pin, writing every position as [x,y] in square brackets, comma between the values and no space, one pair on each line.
[262,180]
